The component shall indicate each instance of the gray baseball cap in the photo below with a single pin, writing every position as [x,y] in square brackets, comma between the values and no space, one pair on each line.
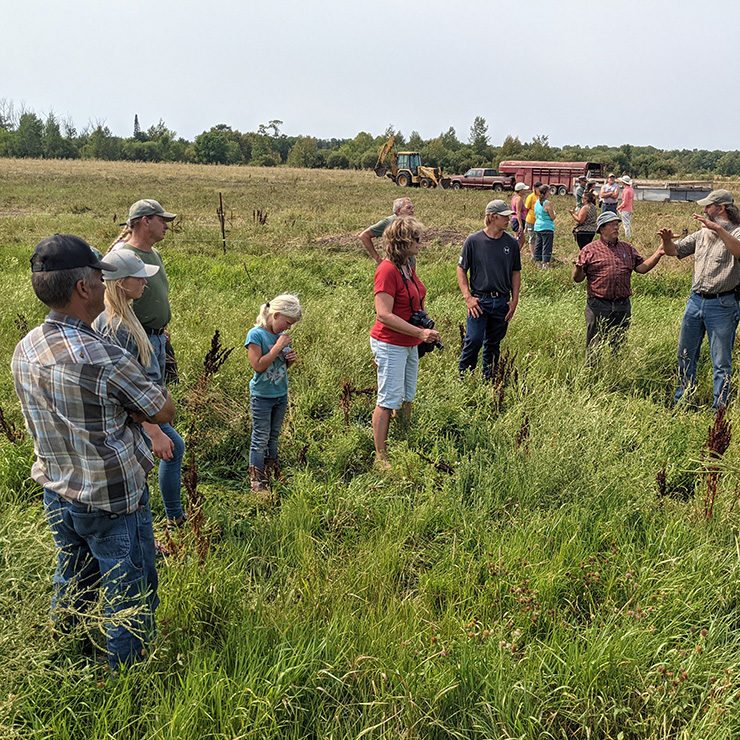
[606,217]
[127,264]
[499,208]
[717,197]
[148,207]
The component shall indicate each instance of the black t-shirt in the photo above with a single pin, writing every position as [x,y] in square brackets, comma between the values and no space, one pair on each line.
[490,262]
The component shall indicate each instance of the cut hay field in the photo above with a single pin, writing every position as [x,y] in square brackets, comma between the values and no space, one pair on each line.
[516,573]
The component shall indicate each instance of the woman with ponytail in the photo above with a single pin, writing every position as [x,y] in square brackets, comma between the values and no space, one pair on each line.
[119,325]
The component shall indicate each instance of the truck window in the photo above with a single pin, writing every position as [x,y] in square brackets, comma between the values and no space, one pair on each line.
[490,173]
[469,173]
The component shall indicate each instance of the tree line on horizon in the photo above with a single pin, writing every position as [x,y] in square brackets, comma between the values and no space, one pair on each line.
[27,135]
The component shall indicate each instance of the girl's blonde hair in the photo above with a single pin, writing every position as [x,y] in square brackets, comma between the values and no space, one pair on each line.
[125,234]
[287,304]
[399,237]
[120,312]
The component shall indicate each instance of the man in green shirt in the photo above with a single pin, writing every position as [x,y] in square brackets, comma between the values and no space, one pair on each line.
[401,207]
[149,222]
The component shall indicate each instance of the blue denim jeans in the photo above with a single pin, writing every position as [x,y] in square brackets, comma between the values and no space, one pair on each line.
[110,555]
[170,474]
[158,342]
[718,317]
[543,246]
[267,421]
[486,330]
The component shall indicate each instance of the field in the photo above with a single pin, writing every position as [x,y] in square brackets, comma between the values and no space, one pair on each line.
[520,572]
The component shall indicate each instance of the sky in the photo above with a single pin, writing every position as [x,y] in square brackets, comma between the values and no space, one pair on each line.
[650,72]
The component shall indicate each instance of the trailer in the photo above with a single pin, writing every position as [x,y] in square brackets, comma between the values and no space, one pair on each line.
[562,177]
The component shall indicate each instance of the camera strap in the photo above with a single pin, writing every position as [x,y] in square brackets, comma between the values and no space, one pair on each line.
[406,284]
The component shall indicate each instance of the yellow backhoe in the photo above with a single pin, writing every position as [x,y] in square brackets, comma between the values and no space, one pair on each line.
[406,169]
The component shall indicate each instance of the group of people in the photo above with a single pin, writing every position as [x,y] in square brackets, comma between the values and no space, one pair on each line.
[91,379]
[489,278]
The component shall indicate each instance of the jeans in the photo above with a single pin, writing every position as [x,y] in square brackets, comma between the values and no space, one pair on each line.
[398,372]
[158,342]
[718,317]
[267,421]
[543,246]
[486,330]
[583,238]
[607,320]
[170,475]
[608,207]
[626,222]
[99,552]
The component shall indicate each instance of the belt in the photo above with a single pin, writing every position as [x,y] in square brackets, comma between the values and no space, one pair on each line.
[609,300]
[154,332]
[488,294]
[712,296]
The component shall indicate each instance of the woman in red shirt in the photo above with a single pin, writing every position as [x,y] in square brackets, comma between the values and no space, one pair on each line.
[394,341]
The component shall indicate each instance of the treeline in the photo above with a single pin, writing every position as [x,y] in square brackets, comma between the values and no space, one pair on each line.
[28,135]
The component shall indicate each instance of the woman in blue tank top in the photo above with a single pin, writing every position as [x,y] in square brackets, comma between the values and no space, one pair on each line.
[544,227]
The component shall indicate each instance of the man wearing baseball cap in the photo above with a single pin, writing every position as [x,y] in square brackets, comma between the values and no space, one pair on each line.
[82,399]
[607,265]
[579,190]
[712,307]
[492,258]
[149,222]
[609,194]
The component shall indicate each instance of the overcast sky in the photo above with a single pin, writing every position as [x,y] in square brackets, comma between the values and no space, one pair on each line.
[644,72]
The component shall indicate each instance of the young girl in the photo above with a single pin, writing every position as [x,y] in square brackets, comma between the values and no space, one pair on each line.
[270,354]
[118,324]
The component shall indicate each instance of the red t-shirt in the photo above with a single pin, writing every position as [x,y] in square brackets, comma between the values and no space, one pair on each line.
[388,280]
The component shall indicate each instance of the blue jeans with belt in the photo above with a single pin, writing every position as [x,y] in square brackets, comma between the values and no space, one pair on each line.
[718,318]
[486,330]
[108,555]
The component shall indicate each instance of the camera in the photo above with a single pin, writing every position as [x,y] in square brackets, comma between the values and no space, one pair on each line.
[421,318]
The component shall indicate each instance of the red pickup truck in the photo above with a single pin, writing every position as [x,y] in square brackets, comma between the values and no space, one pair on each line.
[482,178]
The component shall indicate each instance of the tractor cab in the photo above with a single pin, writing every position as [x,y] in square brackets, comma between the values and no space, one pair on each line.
[409,161]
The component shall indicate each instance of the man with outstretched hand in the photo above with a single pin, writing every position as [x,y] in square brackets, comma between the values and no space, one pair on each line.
[712,306]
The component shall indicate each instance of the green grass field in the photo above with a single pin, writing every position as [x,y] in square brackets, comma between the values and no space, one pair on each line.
[516,574]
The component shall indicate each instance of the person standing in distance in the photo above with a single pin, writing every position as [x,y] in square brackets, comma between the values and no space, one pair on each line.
[401,207]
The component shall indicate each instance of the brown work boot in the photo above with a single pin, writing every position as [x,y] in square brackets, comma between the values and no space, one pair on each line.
[273,470]
[262,494]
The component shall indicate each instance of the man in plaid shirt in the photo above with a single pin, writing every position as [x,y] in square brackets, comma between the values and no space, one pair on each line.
[607,265]
[83,400]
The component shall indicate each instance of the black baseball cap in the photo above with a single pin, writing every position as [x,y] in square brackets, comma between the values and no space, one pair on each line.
[65,252]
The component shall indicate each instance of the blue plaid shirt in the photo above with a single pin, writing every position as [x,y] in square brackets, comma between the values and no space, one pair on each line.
[77,392]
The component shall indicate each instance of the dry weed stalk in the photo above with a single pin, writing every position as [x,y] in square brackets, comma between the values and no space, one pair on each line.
[504,374]
[21,323]
[522,436]
[9,429]
[346,395]
[259,217]
[197,399]
[718,440]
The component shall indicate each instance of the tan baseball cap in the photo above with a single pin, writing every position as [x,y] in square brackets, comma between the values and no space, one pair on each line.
[717,197]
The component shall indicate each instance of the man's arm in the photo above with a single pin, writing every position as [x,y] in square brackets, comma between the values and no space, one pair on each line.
[731,243]
[651,261]
[516,284]
[166,415]
[366,237]
[667,238]
[578,274]
[470,300]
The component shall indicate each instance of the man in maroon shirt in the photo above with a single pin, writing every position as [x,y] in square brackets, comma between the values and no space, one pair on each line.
[607,266]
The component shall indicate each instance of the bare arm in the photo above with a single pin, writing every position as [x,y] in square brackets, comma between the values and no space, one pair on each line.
[550,210]
[162,445]
[384,311]
[470,300]
[165,415]
[366,237]
[260,362]
[579,217]
[667,238]
[516,284]
[651,261]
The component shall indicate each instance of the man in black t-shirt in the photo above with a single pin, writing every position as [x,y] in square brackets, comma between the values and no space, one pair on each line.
[491,256]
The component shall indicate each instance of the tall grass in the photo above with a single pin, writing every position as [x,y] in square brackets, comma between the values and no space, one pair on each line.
[541,589]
